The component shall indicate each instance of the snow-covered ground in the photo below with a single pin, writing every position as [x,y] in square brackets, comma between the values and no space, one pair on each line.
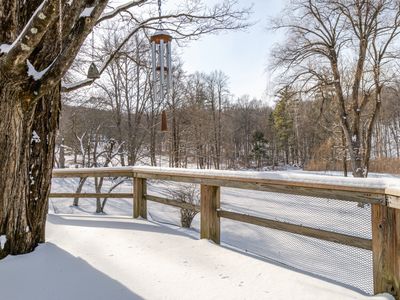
[114,257]
[345,265]
[103,257]
[348,266]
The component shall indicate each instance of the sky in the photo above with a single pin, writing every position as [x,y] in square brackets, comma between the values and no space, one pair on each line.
[242,55]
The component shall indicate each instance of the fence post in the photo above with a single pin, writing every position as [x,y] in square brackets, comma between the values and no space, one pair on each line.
[209,220]
[139,200]
[386,249]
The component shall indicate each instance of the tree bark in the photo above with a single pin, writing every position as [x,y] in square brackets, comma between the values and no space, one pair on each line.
[79,190]
[28,141]
[62,154]
[29,110]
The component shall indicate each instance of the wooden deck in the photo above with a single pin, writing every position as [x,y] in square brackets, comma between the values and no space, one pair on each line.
[382,195]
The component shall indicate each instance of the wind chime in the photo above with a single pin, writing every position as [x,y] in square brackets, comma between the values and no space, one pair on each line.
[93,72]
[161,60]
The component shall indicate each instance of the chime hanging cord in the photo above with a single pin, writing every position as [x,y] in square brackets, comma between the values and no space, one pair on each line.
[92,45]
[159,14]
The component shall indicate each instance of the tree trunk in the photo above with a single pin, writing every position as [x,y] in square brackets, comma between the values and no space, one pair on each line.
[98,185]
[175,140]
[27,154]
[29,109]
[344,155]
[79,190]
[62,154]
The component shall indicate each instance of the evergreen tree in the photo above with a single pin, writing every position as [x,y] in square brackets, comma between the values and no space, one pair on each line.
[283,122]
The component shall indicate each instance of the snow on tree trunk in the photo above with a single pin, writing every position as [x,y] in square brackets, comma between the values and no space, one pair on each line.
[30,74]
[27,143]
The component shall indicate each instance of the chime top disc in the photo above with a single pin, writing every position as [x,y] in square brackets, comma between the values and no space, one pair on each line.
[161,36]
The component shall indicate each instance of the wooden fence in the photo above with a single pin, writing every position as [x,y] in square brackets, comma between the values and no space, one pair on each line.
[383,197]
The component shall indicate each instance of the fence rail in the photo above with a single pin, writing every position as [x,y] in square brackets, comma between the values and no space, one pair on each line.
[383,195]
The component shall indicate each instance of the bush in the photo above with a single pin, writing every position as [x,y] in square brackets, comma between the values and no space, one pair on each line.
[187,193]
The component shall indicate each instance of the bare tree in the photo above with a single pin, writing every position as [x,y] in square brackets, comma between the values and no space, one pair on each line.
[127,89]
[34,56]
[216,84]
[323,49]
[39,42]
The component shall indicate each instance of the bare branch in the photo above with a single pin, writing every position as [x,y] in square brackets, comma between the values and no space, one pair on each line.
[119,9]
[18,52]
[185,26]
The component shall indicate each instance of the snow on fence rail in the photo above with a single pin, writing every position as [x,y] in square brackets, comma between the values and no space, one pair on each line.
[383,195]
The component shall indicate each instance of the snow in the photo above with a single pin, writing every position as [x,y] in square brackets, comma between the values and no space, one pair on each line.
[121,258]
[35,137]
[5,48]
[291,177]
[3,241]
[341,264]
[36,75]
[112,256]
[87,12]
[373,183]
[74,84]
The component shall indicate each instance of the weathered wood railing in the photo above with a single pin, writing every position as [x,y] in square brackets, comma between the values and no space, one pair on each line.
[383,195]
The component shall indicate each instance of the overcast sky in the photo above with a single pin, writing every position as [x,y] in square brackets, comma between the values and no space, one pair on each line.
[243,56]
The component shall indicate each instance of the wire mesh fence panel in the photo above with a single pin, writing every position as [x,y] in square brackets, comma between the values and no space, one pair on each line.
[70,185]
[88,206]
[328,214]
[342,264]
[346,265]
[172,190]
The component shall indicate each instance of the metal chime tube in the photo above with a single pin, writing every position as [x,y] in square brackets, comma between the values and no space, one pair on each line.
[153,63]
[169,65]
[162,69]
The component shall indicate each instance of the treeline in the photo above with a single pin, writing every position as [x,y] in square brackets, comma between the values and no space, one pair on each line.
[116,121]
[208,129]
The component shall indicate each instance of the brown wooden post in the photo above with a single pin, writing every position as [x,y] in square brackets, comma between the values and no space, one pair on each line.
[386,249]
[139,200]
[210,222]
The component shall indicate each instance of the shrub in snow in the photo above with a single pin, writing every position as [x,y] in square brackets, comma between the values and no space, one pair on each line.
[188,193]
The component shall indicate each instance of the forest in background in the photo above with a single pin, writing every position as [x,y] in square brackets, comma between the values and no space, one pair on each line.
[119,124]
[336,99]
